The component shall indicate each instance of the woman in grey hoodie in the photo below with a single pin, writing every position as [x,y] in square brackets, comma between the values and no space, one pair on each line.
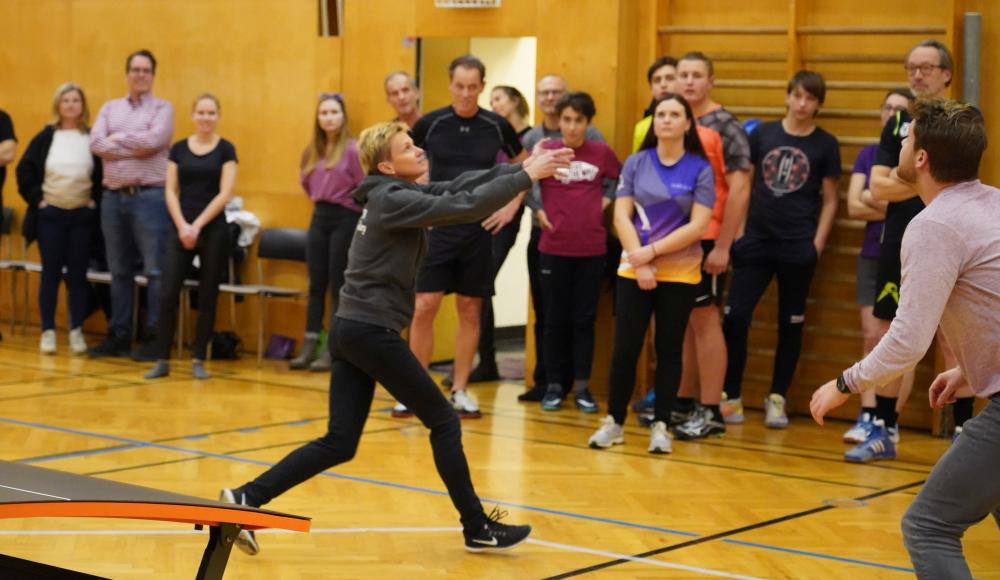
[376,304]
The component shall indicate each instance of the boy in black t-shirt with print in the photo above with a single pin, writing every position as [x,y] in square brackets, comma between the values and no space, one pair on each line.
[793,202]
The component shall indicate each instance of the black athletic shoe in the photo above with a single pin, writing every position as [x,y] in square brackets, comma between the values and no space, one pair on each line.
[534,394]
[111,346]
[147,351]
[484,374]
[494,536]
[448,380]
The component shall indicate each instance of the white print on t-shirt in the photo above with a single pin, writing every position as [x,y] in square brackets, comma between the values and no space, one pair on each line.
[578,171]
[785,169]
[362,228]
[904,130]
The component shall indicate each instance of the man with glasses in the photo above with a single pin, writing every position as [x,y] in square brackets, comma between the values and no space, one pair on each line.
[132,136]
[929,68]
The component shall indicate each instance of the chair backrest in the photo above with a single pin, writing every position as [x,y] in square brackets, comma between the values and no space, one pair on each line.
[282,244]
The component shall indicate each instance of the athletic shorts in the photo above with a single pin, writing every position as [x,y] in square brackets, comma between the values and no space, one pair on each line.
[864,289]
[887,281]
[459,259]
[709,290]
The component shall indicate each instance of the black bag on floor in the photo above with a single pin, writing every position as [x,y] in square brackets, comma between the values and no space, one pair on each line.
[225,346]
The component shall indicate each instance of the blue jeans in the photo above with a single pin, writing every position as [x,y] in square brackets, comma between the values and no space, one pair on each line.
[134,226]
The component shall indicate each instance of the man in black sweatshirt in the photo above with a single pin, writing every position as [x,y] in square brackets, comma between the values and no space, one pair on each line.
[377,302]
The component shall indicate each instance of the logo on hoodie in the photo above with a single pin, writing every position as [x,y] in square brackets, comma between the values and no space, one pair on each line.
[362,228]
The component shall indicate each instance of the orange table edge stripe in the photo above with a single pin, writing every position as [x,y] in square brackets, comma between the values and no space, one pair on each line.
[205,515]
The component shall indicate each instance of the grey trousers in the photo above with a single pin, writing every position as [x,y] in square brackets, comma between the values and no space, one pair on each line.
[962,489]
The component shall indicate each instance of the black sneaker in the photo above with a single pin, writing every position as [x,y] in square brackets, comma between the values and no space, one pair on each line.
[246,540]
[111,346]
[147,351]
[533,395]
[681,417]
[484,374]
[494,536]
[704,424]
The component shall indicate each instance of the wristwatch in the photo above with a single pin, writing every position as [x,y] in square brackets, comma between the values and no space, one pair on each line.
[842,385]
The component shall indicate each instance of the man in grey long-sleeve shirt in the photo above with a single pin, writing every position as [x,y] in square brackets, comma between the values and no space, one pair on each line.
[377,302]
[951,275]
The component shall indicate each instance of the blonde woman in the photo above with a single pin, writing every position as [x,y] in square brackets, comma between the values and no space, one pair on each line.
[330,172]
[201,175]
[60,180]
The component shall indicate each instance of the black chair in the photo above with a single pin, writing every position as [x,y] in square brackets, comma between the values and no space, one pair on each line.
[287,244]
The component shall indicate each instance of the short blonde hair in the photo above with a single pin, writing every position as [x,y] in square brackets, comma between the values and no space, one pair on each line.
[373,146]
[84,123]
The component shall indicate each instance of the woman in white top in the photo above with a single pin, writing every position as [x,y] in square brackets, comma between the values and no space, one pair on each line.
[60,179]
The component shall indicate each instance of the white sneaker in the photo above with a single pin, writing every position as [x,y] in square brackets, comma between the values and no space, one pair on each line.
[47,345]
[608,435]
[659,438]
[894,433]
[465,405]
[774,405]
[77,343]
[246,540]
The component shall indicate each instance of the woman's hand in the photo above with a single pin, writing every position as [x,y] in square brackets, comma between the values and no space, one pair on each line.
[642,256]
[826,399]
[543,220]
[646,277]
[189,236]
[945,386]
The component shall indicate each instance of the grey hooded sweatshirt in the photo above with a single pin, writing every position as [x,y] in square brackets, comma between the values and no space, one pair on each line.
[389,241]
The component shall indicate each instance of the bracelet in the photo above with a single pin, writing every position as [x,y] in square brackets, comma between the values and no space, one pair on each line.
[842,385]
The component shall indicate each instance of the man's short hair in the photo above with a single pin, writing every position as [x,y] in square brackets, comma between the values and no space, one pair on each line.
[467,61]
[658,64]
[954,136]
[946,62]
[702,57]
[810,82]
[143,52]
[578,101]
[399,73]
[373,144]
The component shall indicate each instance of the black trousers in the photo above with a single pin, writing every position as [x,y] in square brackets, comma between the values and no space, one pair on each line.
[502,242]
[327,242]
[64,240]
[363,354]
[755,263]
[671,303]
[211,248]
[571,288]
[537,303]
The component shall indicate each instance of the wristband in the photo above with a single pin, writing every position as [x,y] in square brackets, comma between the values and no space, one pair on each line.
[842,385]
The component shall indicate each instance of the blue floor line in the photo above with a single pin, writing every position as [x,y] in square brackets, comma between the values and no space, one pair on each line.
[132,443]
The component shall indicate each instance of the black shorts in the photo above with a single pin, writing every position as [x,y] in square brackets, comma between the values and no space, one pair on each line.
[709,291]
[459,259]
[887,281]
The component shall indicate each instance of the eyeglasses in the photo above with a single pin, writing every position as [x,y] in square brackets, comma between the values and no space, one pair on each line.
[140,71]
[925,69]
[551,93]
[328,96]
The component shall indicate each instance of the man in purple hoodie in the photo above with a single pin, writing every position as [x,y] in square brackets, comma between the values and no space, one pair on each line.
[951,276]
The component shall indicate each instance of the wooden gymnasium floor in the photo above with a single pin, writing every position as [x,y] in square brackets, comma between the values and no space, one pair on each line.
[757,503]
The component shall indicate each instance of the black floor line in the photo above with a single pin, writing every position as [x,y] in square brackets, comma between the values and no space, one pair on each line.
[234,452]
[727,533]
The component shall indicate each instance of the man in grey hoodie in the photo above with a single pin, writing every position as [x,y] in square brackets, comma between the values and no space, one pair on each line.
[377,302]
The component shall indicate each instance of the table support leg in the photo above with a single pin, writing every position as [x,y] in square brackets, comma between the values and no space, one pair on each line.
[220,542]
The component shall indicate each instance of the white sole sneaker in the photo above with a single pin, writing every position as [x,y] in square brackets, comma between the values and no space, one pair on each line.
[246,541]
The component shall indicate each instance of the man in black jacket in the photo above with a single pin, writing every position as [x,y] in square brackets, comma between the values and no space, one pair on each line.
[377,302]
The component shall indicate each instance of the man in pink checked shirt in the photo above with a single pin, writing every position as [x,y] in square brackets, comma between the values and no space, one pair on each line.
[132,136]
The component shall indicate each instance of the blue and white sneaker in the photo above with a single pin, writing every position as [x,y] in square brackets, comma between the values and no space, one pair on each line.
[645,404]
[859,432]
[585,402]
[552,401]
[879,445]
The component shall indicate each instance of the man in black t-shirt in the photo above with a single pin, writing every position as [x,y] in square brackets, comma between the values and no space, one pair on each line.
[793,202]
[8,147]
[8,150]
[929,67]
[459,138]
